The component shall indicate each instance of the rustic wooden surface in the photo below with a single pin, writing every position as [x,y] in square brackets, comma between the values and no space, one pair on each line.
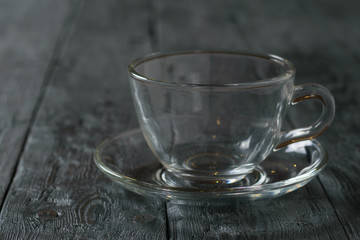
[27,38]
[64,88]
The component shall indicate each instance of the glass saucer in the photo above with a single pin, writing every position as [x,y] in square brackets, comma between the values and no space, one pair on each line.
[127,159]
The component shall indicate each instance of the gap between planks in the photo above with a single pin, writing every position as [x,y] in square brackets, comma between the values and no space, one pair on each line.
[60,45]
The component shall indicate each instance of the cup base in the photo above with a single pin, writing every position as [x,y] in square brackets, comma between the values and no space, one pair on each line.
[166,178]
[210,161]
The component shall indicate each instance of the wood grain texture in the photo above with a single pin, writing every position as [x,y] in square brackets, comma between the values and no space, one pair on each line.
[28,33]
[58,192]
[304,214]
[336,65]
[260,27]
[334,62]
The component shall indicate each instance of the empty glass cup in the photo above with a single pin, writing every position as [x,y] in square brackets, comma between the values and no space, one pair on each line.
[212,117]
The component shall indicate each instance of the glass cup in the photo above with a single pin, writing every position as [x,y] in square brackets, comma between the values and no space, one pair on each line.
[211,117]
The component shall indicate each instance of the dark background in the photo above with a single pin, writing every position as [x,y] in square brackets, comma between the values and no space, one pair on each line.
[64,88]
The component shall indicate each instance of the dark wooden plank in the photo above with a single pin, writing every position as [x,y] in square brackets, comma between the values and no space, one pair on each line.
[304,214]
[58,192]
[263,27]
[335,64]
[199,25]
[28,33]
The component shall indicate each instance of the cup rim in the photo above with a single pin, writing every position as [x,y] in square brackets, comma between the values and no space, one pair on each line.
[287,75]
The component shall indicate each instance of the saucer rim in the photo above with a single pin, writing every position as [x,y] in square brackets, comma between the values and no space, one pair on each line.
[243,190]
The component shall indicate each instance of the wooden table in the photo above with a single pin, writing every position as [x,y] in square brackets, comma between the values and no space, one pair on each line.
[64,88]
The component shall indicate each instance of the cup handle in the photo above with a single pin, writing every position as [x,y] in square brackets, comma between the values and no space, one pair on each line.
[305,92]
